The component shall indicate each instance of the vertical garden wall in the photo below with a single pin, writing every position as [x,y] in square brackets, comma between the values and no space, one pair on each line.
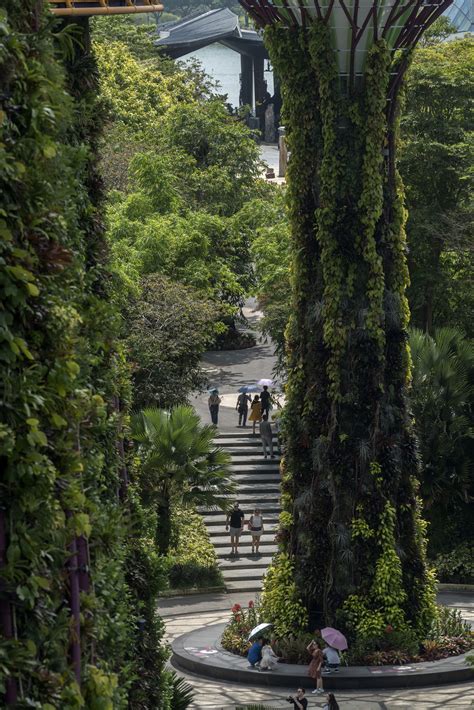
[351,536]
[75,575]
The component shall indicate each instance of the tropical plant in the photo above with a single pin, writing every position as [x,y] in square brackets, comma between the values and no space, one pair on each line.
[456,565]
[168,328]
[443,400]
[179,463]
[437,131]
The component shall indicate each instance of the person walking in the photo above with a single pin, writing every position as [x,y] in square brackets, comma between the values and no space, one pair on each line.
[314,668]
[256,529]
[242,407]
[266,435]
[236,518]
[266,400]
[213,402]
[332,703]
[255,412]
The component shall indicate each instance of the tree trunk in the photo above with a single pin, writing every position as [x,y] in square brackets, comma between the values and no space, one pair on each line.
[352,531]
[163,527]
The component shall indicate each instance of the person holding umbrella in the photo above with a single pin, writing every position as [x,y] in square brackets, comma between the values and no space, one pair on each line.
[335,642]
[265,398]
[213,403]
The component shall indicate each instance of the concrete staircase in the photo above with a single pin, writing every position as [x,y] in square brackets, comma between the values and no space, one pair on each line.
[258,485]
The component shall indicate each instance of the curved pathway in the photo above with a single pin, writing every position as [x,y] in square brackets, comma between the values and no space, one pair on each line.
[188,613]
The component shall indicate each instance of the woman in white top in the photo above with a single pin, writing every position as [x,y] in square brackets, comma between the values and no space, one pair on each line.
[269,657]
[256,529]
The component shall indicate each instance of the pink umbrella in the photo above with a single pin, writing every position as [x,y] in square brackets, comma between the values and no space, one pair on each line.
[334,638]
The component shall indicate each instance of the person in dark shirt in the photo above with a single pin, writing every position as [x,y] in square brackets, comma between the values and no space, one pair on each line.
[266,400]
[299,701]
[236,518]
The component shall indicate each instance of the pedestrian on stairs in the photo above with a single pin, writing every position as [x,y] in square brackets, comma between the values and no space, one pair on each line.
[242,407]
[255,412]
[266,434]
[256,529]
[236,518]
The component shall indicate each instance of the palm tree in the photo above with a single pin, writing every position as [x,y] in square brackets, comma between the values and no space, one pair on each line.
[180,463]
[443,399]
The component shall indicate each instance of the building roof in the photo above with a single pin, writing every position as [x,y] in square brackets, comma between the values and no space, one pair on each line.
[196,31]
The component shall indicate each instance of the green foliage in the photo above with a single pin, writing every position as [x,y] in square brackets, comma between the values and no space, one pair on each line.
[236,633]
[192,559]
[281,601]
[351,460]
[294,648]
[59,369]
[442,398]
[179,464]
[169,328]
[457,565]
[449,623]
[437,131]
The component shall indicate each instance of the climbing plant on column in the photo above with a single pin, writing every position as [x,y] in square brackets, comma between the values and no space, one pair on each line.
[350,525]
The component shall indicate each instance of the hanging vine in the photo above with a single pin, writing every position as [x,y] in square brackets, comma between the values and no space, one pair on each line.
[350,467]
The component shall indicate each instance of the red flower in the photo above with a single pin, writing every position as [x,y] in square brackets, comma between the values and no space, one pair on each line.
[236,607]
[388,629]
[251,604]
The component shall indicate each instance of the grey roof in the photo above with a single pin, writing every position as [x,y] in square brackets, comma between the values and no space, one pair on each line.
[193,32]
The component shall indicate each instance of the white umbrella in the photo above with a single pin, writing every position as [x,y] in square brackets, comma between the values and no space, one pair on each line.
[263,382]
[258,630]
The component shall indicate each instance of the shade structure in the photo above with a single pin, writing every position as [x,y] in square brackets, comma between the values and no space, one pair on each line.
[354,24]
[83,8]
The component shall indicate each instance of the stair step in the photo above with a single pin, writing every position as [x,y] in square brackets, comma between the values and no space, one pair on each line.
[219,533]
[256,467]
[245,562]
[256,478]
[252,495]
[266,507]
[209,519]
[247,573]
[237,453]
[267,544]
[243,585]
[267,547]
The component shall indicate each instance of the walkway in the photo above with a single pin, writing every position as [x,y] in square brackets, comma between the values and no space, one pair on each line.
[258,482]
[188,613]
[230,369]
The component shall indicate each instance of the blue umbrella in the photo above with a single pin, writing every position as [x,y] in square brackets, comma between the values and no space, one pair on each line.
[249,388]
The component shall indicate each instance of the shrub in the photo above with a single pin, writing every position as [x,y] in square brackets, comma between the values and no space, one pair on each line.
[192,560]
[236,633]
[449,623]
[280,599]
[435,650]
[293,648]
[456,566]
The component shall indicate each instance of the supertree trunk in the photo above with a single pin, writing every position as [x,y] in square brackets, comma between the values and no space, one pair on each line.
[351,526]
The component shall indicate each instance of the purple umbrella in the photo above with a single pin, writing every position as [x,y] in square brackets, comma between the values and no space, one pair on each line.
[334,638]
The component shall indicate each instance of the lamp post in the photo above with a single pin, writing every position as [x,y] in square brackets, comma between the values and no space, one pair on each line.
[352,530]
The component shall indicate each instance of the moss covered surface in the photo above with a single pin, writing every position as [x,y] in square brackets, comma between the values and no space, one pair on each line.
[351,526]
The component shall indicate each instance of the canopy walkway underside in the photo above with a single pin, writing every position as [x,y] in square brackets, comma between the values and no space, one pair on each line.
[87,8]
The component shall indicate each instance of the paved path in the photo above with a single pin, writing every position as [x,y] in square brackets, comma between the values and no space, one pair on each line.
[230,369]
[188,613]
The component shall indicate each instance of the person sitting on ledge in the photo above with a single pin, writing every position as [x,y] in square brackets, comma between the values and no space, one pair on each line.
[254,655]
